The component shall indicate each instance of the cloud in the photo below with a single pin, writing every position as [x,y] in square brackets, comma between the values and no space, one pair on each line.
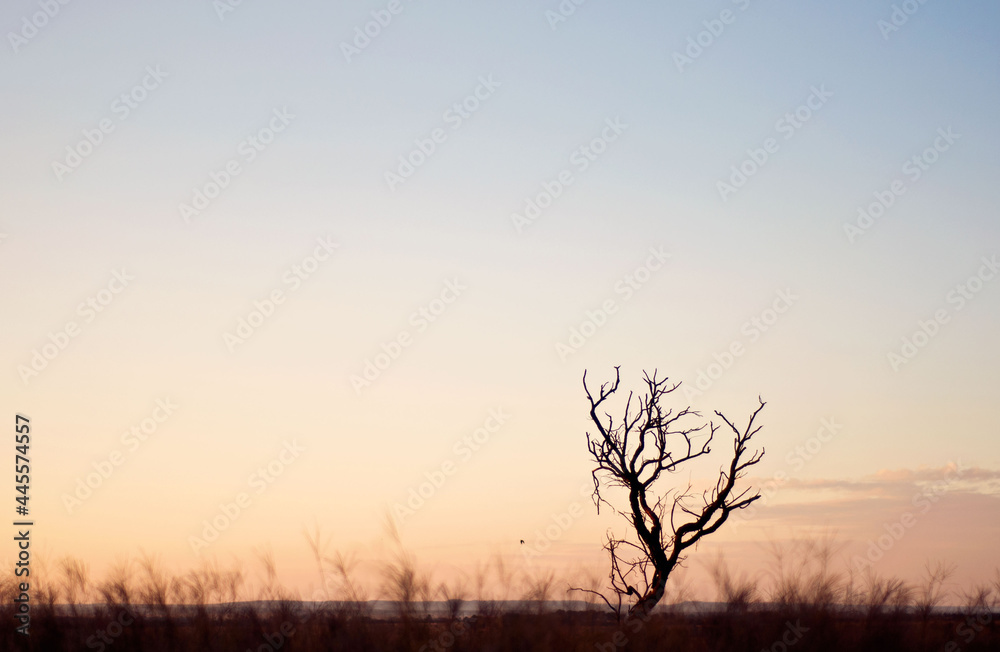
[957,499]
[894,483]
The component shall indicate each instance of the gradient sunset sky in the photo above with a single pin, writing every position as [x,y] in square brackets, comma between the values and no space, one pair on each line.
[699,212]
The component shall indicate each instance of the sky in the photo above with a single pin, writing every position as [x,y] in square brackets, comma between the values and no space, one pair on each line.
[298,264]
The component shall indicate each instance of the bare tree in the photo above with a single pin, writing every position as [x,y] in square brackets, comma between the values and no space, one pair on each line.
[648,441]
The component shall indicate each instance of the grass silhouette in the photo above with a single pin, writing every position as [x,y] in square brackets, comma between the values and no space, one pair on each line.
[802,601]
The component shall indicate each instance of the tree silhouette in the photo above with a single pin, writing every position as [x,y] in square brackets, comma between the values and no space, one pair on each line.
[634,453]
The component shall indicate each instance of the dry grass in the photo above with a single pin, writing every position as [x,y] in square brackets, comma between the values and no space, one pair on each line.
[801,603]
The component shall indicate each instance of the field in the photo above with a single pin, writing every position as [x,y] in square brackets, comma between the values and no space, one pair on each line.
[140,607]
